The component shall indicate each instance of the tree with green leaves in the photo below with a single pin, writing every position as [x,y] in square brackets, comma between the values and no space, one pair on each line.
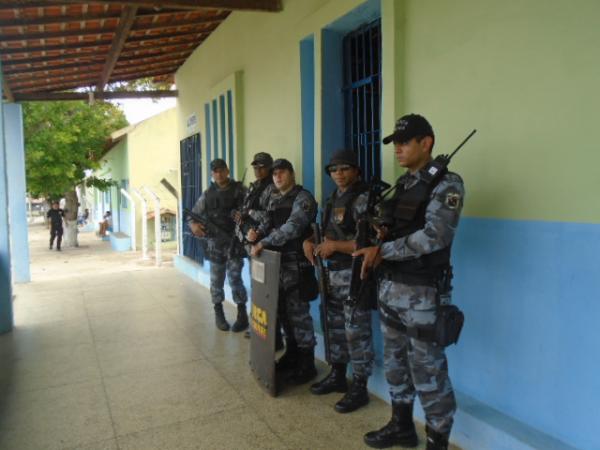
[63,141]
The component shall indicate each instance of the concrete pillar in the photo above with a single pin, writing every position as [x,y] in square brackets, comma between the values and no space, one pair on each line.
[6,312]
[15,163]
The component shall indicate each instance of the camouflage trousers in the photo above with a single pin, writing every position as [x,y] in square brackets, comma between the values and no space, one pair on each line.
[293,309]
[233,268]
[350,338]
[413,366]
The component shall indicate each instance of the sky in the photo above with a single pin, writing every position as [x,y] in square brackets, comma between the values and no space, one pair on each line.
[140,109]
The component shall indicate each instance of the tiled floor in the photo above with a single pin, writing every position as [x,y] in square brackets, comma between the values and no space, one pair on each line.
[112,353]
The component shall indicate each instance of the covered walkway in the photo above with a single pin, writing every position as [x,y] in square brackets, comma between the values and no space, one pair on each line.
[108,353]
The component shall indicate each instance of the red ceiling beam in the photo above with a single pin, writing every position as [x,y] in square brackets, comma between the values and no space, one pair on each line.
[232,5]
[70,96]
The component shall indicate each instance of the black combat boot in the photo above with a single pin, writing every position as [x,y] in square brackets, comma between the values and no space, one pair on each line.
[241,323]
[400,430]
[435,440]
[335,381]
[220,320]
[306,369]
[356,396]
[290,359]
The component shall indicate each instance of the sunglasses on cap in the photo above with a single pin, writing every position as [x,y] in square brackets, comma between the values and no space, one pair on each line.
[343,168]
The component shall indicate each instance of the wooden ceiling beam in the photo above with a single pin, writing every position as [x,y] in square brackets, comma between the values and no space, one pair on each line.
[49,48]
[54,59]
[127,55]
[143,60]
[106,95]
[10,5]
[59,20]
[41,85]
[232,5]
[89,81]
[174,63]
[43,69]
[101,31]
[125,24]
[186,36]
[45,72]
[138,52]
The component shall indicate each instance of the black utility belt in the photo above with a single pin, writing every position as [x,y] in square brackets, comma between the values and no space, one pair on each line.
[411,279]
[291,257]
[444,332]
[339,265]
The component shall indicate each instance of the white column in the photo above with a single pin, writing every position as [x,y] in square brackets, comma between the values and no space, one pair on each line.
[178,219]
[29,212]
[157,232]
[131,218]
[144,222]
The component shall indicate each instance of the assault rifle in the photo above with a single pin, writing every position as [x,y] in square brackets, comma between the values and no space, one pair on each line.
[323,278]
[246,222]
[363,237]
[382,214]
[212,230]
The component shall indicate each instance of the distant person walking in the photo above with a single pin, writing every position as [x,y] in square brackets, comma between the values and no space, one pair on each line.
[55,214]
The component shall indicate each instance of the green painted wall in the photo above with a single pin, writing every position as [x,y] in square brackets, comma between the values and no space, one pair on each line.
[154,155]
[148,153]
[266,48]
[525,74]
[116,162]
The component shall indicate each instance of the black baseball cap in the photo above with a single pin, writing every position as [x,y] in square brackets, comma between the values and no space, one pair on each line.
[343,156]
[218,163]
[262,159]
[408,127]
[283,164]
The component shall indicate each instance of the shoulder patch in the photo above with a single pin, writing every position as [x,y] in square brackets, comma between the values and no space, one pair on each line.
[452,200]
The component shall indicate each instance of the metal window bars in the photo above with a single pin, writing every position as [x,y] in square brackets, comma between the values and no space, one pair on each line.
[362,93]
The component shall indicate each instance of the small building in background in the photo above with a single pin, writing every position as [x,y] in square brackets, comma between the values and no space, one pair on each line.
[140,155]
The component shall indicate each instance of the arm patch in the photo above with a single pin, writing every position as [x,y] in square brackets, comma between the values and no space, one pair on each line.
[453,200]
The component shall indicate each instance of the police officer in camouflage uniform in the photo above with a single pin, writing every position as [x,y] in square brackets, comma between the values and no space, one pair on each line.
[254,206]
[257,196]
[217,206]
[291,210]
[349,327]
[414,268]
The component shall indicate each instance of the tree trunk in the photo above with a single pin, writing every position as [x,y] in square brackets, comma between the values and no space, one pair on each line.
[71,208]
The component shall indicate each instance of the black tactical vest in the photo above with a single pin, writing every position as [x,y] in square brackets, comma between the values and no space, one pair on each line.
[406,209]
[279,212]
[252,200]
[338,218]
[220,204]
